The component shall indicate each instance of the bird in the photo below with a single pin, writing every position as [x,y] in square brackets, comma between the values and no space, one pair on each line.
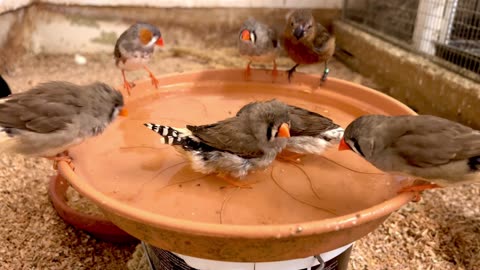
[4,88]
[134,49]
[46,120]
[431,148]
[233,147]
[306,41]
[258,42]
[310,132]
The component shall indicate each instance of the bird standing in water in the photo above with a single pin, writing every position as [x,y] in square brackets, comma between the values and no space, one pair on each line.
[234,146]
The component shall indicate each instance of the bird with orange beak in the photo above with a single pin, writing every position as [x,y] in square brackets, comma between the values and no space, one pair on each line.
[235,146]
[134,49]
[48,119]
[259,43]
[423,146]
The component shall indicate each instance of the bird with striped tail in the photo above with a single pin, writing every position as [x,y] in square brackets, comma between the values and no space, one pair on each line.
[233,147]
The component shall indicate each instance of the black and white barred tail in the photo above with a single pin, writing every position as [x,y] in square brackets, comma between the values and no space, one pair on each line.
[170,135]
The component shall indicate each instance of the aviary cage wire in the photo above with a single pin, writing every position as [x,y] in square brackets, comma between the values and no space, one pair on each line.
[446,31]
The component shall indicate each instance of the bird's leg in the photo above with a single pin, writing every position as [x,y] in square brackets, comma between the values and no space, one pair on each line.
[62,157]
[290,156]
[274,70]
[325,72]
[418,189]
[291,71]
[152,77]
[233,182]
[126,85]
[248,71]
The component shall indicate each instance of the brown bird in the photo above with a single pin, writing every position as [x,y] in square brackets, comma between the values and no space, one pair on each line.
[258,42]
[424,146]
[306,41]
[234,146]
[51,117]
[134,49]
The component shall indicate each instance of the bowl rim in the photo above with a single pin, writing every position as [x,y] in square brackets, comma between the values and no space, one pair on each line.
[314,227]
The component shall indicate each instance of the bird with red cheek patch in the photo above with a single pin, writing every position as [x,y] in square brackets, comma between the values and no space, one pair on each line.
[258,42]
[423,146]
[306,41]
[134,49]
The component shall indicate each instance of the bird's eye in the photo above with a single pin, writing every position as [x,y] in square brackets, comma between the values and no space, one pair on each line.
[291,23]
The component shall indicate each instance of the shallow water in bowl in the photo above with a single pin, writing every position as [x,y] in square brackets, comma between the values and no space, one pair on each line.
[129,164]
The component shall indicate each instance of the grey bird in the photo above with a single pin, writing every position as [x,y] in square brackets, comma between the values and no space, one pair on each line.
[51,117]
[306,41]
[234,146]
[424,146]
[134,49]
[258,42]
[310,132]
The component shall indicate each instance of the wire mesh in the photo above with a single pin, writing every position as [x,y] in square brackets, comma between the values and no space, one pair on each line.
[448,31]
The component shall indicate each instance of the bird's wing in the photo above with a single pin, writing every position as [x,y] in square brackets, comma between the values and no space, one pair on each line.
[36,114]
[436,142]
[308,123]
[321,42]
[228,135]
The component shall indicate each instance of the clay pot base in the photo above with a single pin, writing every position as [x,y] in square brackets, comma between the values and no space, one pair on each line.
[150,191]
[99,227]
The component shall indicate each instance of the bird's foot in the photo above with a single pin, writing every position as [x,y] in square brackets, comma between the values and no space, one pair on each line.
[154,80]
[290,73]
[274,70]
[417,190]
[290,157]
[248,72]
[152,77]
[233,182]
[274,73]
[325,75]
[62,157]
[128,86]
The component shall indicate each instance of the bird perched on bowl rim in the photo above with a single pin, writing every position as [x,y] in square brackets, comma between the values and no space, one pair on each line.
[424,146]
[134,49]
[258,42]
[232,147]
[310,132]
[306,41]
[48,119]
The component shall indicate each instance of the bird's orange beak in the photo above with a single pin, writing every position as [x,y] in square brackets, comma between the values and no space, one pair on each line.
[343,145]
[123,112]
[159,42]
[245,35]
[284,131]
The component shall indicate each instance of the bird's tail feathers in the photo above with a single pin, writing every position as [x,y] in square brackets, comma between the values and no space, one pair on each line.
[169,135]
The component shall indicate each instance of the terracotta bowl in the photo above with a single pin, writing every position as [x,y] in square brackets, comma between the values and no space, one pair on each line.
[294,210]
[99,227]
